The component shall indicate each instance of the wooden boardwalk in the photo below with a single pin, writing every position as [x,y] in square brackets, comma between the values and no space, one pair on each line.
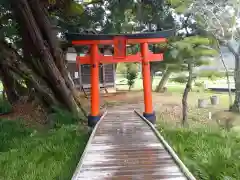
[124,146]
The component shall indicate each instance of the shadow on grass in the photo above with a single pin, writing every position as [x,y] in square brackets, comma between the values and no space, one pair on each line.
[26,154]
[11,134]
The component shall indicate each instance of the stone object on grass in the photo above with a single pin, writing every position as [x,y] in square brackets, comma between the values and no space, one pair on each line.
[214,100]
[202,103]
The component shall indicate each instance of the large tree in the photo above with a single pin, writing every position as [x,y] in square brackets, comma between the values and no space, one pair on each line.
[37,58]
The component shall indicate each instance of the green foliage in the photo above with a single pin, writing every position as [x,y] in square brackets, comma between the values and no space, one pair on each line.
[133,49]
[179,5]
[209,154]
[180,52]
[76,8]
[131,74]
[196,40]
[28,154]
[8,25]
[81,16]
[122,12]
[195,50]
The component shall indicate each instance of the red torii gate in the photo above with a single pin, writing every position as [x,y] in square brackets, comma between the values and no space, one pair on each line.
[120,55]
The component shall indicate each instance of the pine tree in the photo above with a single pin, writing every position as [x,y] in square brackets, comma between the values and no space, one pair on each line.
[192,52]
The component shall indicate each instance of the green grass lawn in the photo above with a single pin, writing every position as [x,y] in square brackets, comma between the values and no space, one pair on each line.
[121,83]
[210,154]
[26,154]
[138,85]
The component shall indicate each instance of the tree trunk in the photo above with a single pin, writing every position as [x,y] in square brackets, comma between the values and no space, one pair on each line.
[236,104]
[35,22]
[227,76]
[163,80]
[185,95]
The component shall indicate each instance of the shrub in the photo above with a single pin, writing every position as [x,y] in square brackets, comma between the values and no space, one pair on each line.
[131,75]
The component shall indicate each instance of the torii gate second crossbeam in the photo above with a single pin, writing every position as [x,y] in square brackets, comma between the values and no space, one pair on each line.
[120,55]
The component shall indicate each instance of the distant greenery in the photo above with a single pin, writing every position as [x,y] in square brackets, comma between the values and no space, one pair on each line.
[121,68]
[28,154]
[1,86]
[209,154]
[5,106]
[179,79]
[199,84]
[212,75]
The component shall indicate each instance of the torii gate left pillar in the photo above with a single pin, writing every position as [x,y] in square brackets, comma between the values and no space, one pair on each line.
[119,42]
[94,117]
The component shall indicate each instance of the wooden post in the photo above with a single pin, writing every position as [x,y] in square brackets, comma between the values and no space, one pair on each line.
[147,87]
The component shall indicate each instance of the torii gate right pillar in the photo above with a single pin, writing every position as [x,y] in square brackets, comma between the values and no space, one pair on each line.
[149,114]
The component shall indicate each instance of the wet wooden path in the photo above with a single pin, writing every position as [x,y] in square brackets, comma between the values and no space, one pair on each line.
[124,146]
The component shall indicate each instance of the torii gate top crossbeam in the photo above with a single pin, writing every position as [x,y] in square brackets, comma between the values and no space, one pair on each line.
[119,41]
[87,39]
